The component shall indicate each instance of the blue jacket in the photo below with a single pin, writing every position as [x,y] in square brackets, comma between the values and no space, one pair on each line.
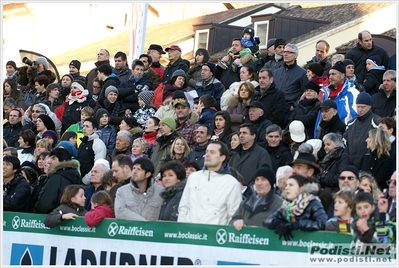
[108,136]
[346,103]
[213,87]
[207,116]
[129,90]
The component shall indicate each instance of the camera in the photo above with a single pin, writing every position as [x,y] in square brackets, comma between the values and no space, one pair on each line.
[29,62]
[385,192]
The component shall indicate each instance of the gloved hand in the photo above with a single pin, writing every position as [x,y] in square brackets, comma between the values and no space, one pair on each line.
[284,230]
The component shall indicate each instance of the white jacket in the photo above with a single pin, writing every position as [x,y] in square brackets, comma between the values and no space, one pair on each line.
[233,91]
[209,198]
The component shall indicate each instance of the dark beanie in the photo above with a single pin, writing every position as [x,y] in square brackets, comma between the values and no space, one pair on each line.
[375,59]
[178,94]
[364,98]
[75,63]
[70,77]
[179,72]
[250,31]
[47,121]
[131,121]
[352,169]
[146,96]
[100,113]
[339,66]
[267,173]
[313,86]
[211,66]
[106,69]
[52,134]
[270,42]
[12,63]
[347,62]
[316,68]
[279,41]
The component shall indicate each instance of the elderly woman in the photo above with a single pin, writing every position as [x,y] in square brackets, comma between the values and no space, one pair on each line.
[301,209]
[263,202]
[332,164]
[377,160]
[139,147]
[247,74]
[173,179]
[236,104]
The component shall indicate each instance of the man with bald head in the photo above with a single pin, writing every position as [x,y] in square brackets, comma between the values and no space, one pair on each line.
[363,50]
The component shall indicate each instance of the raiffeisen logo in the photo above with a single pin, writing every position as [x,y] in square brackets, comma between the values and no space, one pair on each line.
[222,236]
[17,222]
[114,229]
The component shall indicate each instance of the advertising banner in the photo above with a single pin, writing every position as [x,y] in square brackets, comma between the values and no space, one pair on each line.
[27,241]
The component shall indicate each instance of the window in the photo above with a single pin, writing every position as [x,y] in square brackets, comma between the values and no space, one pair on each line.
[262,30]
[201,39]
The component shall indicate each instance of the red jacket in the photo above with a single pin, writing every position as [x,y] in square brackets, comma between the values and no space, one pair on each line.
[95,215]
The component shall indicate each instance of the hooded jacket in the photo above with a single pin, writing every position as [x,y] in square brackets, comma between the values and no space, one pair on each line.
[97,214]
[382,104]
[59,177]
[210,197]
[373,79]
[170,206]
[132,203]
[129,90]
[16,194]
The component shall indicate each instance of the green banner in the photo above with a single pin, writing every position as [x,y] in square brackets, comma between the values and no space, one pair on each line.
[258,238]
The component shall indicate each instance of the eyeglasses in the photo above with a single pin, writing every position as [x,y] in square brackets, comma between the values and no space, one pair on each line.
[342,178]
[391,181]
[37,111]
[289,52]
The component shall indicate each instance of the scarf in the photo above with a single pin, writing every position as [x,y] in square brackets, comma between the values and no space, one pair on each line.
[79,96]
[326,160]
[169,90]
[218,132]
[298,205]
[150,137]
[277,57]
[113,108]
[305,102]
[28,150]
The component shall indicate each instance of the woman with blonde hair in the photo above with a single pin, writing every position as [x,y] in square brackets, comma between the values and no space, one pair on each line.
[179,150]
[237,104]
[368,184]
[377,160]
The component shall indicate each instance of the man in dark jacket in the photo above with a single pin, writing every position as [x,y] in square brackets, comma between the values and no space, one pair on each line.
[206,105]
[12,128]
[273,99]
[364,49]
[121,70]
[74,71]
[384,102]
[256,117]
[63,172]
[202,137]
[176,62]
[277,61]
[262,203]
[322,48]
[357,129]
[278,150]
[210,85]
[105,74]
[102,58]
[16,190]
[249,156]
[129,90]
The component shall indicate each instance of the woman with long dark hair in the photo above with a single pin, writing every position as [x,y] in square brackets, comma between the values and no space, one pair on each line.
[222,127]
[194,74]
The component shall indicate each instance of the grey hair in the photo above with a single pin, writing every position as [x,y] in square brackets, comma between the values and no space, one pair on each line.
[274,128]
[142,143]
[280,173]
[335,138]
[9,102]
[390,72]
[127,134]
[294,47]
[305,148]
[104,164]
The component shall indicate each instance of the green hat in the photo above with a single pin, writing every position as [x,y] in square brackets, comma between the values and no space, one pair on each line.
[170,122]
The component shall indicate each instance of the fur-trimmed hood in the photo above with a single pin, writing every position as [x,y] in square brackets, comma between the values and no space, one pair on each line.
[306,189]
[63,165]
[194,117]
[173,190]
[136,130]
[233,101]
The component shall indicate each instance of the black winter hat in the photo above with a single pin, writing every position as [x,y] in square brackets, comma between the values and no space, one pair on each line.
[47,121]
[12,63]
[352,169]
[339,66]
[316,68]
[211,66]
[280,41]
[268,173]
[270,42]
[75,63]
[347,62]
[364,98]
[375,59]
[312,85]
[178,94]
[100,113]
[250,31]
[106,69]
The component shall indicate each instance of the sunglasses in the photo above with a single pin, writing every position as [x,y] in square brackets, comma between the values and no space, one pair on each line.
[391,181]
[342,178]
[37,111]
